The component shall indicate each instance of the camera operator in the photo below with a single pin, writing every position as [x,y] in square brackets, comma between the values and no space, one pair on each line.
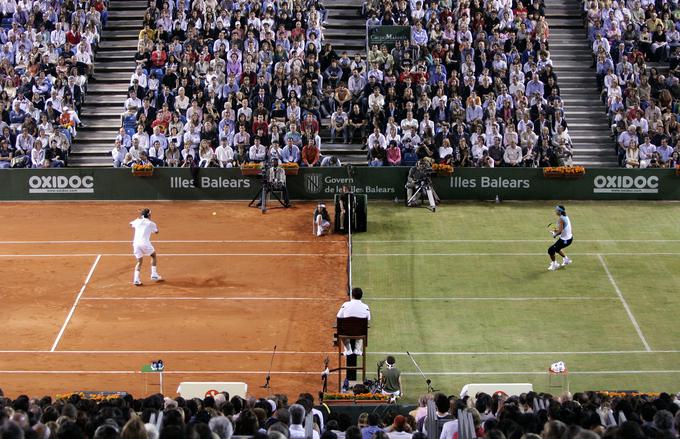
[416,175]
[276,179]
[419,179]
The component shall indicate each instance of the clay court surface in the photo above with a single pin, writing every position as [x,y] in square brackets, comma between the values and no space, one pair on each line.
[235,284]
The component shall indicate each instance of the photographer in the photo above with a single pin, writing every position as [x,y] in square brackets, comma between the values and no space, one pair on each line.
[419,184]
[276,179]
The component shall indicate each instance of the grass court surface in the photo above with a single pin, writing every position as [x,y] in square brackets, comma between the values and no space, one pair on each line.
[467,292]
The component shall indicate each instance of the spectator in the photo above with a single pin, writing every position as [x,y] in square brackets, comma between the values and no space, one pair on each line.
[393,154]
[118,154]
[310,155]
[297,415]
[340,123]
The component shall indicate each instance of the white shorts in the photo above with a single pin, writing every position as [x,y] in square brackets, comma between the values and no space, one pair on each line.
[140,250]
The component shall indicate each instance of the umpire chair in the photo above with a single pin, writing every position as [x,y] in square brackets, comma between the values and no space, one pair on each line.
[350,328]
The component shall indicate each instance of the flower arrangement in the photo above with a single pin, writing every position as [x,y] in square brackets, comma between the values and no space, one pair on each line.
[251,168]
[358,397]
[564,171]
[95,396]
[442,169]
[628,394]
[291,168]
[139,170]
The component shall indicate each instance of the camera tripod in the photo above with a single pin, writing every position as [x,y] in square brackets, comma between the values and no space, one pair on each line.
[425,188]
[263,195]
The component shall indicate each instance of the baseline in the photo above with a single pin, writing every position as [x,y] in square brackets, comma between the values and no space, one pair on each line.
[268,352]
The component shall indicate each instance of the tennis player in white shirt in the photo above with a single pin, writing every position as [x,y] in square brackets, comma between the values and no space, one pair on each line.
[141,245]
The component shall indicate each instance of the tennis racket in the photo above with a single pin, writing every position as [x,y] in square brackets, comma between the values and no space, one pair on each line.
[550,227]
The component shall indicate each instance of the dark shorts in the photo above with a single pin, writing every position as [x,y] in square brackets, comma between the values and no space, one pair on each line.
[561,244]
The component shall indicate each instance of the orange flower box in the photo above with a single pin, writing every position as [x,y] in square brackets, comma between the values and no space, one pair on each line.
[564,172]
[142,170]
[251,168]
[442,169]
[291,168]
[352,399]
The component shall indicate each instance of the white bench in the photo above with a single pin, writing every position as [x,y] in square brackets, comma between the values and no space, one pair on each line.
[510,389]
[192,389]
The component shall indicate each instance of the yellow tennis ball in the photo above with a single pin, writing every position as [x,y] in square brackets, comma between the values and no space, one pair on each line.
[214,213]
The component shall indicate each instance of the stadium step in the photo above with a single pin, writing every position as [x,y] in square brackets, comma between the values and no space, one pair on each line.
[113,66]
[95,110]
[565,23]
[345,27]
[345,32]
[126,44]
[89,161]
[570,52]
[341,23]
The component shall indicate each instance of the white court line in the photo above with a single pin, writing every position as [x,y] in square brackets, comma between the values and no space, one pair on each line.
[493,241]
[165,372]
[168,352]
[66,255]
[571,372]
[296,241]
[269,352]
[625,304]
[315,299]
[173,241]
[75,304]
[510,299]
[521,254]
[295,372]
[528,353]
[129,255]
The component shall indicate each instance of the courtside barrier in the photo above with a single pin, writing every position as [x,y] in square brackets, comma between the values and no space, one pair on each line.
[323,183]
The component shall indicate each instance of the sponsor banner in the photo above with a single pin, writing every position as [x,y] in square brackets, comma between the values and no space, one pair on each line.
[626,184]
[60,184]
[322,183]
[387,35]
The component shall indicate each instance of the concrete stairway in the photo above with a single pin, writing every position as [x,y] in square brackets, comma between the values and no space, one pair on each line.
[345,29]
[104,101]
[585,114]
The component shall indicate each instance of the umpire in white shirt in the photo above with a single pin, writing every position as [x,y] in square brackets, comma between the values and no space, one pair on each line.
[355,308]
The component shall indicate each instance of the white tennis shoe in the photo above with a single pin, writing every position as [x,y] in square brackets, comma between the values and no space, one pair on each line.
[553,266]
[138,283]
[566,261]
[156,277]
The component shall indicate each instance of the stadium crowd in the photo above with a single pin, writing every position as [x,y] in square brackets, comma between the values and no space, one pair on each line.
[635,47]
[222,85]
[474,86]
[47,51]
[587,415]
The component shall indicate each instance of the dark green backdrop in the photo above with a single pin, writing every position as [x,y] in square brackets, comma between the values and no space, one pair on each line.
[322,183]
